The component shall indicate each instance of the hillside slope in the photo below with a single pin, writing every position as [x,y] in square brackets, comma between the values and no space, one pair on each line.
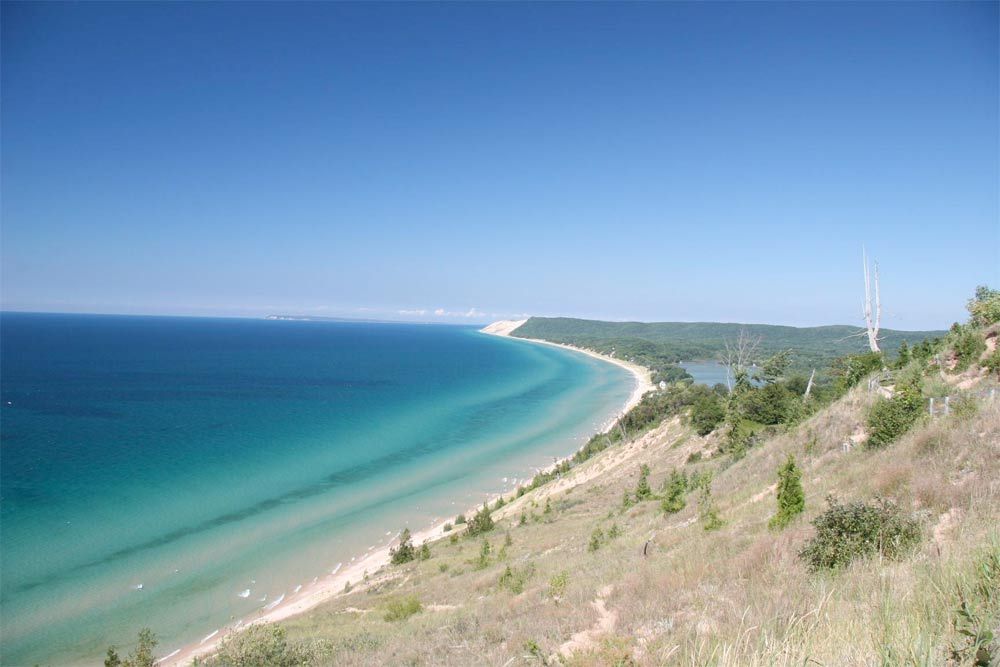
[665,590]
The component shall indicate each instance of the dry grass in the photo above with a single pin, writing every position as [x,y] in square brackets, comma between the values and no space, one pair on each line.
[735,596]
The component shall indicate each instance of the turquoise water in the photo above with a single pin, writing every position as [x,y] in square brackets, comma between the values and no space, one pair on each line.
[202,457]
[706,372]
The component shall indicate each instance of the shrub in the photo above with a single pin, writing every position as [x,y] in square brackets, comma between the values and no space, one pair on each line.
[984,308]
[707,412]
[484,555]
[992,362]
[853,368]
[460,519]
[642,490]
[401,608]
[707,511]
[675,489]
[405,552]
[614,531]
[481,523]
[859,530]
[447,527]
[557,585]
[263,645]
[694,457]
[425,552]
[890,418]
[596,540]
[968,344]
[514,579]
[791,498]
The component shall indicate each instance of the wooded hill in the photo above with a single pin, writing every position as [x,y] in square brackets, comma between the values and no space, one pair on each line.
[670,342]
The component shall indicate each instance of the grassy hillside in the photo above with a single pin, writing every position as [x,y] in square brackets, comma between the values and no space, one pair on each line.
[679,341]
[662,546]
[738,595]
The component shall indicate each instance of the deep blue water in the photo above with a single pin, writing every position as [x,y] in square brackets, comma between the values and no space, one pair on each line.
[195,456]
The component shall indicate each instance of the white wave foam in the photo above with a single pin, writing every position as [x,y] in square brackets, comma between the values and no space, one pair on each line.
[336,569]
[208,636]
[170,655]
[275,603]
[245,593]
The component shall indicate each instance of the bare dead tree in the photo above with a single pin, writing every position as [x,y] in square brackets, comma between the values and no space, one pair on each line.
[809,386]
[739,354]
[872,322]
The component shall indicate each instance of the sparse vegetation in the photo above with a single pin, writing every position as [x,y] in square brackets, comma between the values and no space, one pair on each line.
[142,656]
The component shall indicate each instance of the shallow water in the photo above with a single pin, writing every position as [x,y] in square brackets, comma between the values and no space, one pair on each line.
[204,458]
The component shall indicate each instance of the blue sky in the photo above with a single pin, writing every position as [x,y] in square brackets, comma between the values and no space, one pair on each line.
[460,162]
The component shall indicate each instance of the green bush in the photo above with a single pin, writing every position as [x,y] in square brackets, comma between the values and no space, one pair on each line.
[557,585]
[514,579]
[642,490]
[405,552]
[890,418]
[707,412]
[401,608]
[967,344]
[675,489]
[694,457]
[992,363]
[596,540]
[850,370]
[481,523]
[859,530]
[707,511]
[984,308]
[791,498]
[263,645]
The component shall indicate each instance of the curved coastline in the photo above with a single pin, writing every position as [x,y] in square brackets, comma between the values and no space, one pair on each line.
[333,584]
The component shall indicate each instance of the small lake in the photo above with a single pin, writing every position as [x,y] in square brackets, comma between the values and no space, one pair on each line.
[706,372]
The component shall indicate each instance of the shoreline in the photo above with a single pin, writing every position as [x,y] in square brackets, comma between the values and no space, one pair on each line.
[333,584]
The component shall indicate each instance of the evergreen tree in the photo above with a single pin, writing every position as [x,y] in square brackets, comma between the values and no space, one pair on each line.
[405,552]
[791,498]
[642,490]
[904,355]
[674,492]
[481,523]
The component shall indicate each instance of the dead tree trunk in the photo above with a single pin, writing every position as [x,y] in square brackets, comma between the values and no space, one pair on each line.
[809,386]
[872,320]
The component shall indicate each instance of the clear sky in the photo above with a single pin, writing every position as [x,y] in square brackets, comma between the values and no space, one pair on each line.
[712,161]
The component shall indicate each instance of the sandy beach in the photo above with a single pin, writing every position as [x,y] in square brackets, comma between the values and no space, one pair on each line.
[327,587]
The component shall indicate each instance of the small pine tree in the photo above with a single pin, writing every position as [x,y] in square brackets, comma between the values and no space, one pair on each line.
[642,490]
[627,500]
[548,507]
[674,492]
[596,539]
[706,510]
[112,660]
[524,519]
[405,552]
[903,357]
[791,498]
[481,523]
[425,552]
[484,554]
